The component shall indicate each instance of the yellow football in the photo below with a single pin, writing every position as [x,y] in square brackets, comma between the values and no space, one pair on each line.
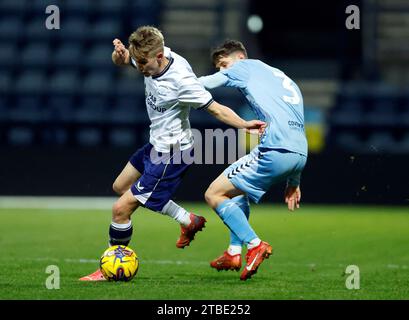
[119,263]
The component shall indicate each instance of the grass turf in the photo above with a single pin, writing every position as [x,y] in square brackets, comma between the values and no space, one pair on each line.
[312,249]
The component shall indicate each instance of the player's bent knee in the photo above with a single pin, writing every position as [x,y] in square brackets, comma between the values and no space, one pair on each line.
[117,189]
[210,197]
[119,212]
[116,209]
[207,196]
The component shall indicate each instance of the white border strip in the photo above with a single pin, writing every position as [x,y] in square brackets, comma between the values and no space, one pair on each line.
[71,203]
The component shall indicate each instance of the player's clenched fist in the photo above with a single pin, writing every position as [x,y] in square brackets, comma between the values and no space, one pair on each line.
[120,54]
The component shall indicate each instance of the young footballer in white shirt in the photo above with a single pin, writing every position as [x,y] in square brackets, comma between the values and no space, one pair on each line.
[152,175]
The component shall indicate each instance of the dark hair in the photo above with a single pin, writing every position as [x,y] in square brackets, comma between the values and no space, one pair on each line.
[228,47]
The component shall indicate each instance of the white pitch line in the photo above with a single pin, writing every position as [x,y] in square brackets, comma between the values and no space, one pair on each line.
[396,266]
[70,203]
[178,262]
[185,262]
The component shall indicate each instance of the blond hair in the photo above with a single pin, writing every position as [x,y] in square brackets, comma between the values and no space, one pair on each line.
[146,40]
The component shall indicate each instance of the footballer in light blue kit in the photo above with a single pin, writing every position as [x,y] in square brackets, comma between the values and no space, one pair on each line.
[280,156]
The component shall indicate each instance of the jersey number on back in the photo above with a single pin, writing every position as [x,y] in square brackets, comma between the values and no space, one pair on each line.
[288,85]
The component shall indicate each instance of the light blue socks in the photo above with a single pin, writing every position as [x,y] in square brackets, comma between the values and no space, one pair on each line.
[243,203]
[234,213]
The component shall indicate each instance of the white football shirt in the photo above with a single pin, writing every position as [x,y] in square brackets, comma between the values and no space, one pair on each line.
[169,97]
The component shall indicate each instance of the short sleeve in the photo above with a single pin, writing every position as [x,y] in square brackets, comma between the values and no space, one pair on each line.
[215,80]
[238,75]
[193,94]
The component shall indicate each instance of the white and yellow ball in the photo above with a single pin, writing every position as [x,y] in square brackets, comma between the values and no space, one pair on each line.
[119,263]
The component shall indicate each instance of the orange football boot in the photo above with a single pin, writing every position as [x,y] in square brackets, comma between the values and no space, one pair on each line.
[254,258]
[187,234]
[227,262]
[96,276]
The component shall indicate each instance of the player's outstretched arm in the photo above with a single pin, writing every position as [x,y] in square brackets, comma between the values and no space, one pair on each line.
[292,196]
[228,116]
[120,55]
[215,80]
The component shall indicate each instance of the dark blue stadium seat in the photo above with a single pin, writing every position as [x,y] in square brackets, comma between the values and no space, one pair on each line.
[127,114]
[5,83]
[29,110]
[14,7]
[382,142]
[347,117]
[37,30]
[20,136]
[31,83]
[111,8]
[97,83]
[92,108]
[36,54]
[59,78]
[74,29]
[76,7]
[138,20]
[349,141]
[403,144]
[122,137]
[69,54]
[89,137]
[54,136]
[130,85]
[404,118]
[350,103]
[91,113]
[106,30]
[11,29]
[405,105]
[62,108]
[128,105]
[8,56]
[143,7]
[144,12]
[39,6]
[3,110]
[64,83]
[99,56]
[383,113]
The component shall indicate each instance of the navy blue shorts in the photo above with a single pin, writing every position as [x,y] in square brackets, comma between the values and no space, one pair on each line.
[161,175]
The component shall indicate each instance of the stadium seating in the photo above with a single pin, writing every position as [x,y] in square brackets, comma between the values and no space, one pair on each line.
[66,76]
[11,28]
[375,110]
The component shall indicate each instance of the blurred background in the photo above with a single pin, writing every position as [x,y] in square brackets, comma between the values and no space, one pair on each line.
[70,119]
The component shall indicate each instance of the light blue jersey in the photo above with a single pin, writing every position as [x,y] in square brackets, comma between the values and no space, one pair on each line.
[274,98]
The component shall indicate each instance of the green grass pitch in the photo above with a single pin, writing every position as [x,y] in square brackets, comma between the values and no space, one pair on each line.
[312,249]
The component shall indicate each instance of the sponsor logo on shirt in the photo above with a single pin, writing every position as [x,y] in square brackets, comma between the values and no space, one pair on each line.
[295,124]
[151,102]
